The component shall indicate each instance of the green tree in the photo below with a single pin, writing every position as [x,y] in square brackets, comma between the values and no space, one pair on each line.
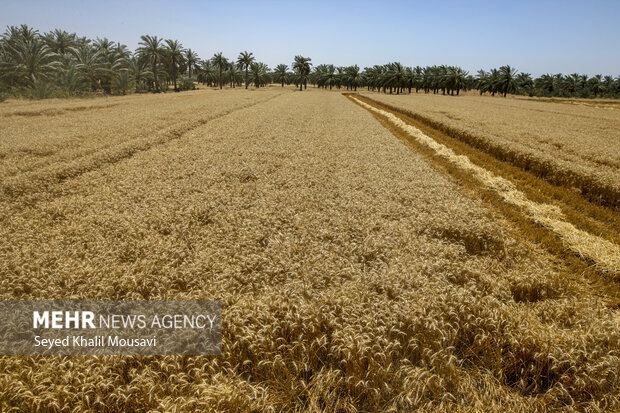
[608,86]
[26,58]
[326,76]
[545,83]
[221,63]
[191,59]
[206,72]
[595,84]
[417,79]
[394,76]
[123,81]
[280,73]
[106,54]
[151,50]
[353,76]
[455,79]
[174,53]
[60,42]
[525,84]
[141,73]
[69,80]
[233,74]
[494,81]
[482,81]
[301,65]
[88,65]
[259,74]
[244,61]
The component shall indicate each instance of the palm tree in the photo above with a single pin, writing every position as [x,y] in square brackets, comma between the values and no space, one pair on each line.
[595,84]
[441,75]
[106,54]
[394,76]
[409,78]
[353,76]
[456,79]
[339,76]
[259,74]
[23,33]
[506,81]
[69,80]
[301,65]
[280,73]
[233,73]
[374,76]
[174,53]
[206,72]
[326,75]
[608,85]
[494,81]
[545,83]
[244,61]
[417,79]
[88,65]
[123,81]
[427,81]
[140,71]
[151,49]
[191,59]
[573,82]
[525,84]
[482,81]
[27,60]
[60,42]
[221,63]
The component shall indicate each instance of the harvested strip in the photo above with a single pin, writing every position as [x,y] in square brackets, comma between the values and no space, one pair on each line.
[603,253]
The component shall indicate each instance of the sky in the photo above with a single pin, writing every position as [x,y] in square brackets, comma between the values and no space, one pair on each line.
[534,36]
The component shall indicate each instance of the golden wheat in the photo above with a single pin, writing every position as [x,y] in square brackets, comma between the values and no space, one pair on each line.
[575,146]
[603,253]
[354,276]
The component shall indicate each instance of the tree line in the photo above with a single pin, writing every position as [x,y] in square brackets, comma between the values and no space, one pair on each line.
[59,63]
[451,80]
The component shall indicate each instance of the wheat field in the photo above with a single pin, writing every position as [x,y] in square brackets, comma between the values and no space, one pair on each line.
[569,144]
[354,274]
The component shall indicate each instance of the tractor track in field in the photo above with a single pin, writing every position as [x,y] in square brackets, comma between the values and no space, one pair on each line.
[565,230]
[29,184]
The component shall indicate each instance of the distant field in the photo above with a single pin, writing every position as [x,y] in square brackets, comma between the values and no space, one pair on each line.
[354,274]
[55,139]
[595,103]
[573,144]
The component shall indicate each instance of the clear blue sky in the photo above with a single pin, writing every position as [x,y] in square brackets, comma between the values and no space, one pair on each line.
[534,36]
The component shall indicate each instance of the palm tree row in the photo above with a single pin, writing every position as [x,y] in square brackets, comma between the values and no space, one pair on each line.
[67,63]
[396,78]
[38,64]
